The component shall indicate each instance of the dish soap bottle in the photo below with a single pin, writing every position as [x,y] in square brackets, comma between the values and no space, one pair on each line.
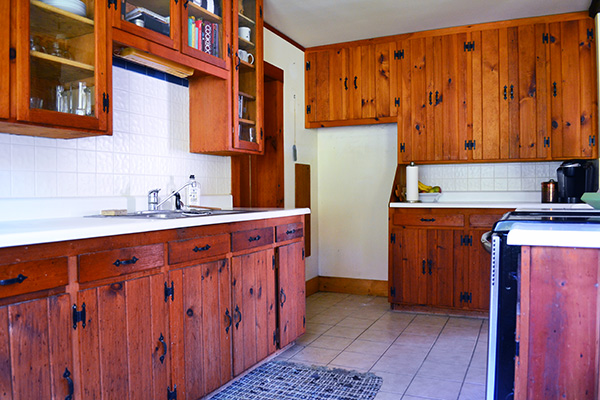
[193,192]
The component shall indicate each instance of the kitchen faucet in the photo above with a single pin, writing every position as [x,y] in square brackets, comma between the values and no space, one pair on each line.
[153,203]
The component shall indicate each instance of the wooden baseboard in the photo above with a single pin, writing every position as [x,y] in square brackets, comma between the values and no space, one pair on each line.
[312,286]
[353,286]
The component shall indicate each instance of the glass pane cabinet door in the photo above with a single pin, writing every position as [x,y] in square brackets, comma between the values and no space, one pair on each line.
[154,20]
[204,30]
[5,57]
[64,53]
[248,74]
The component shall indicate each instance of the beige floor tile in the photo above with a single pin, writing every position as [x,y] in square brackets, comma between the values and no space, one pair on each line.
[326,318]
[292,351]
[315,355]
[345,332]
[398,316]
[412,398]
[313,327]
[390,325]
[368,347]
[476,375]
[445,356]
[464,333]
[454,344]
[394,383]
[432,320]
[368,313]
[465,322]
[426,330]
[395,365]
[416,340]
[375,335]
[387,396]
[470,391]
[434,388]
[380,300]
[403,350]
[331,342]
[353,322]
[449,372]
[354,361]
[307,338]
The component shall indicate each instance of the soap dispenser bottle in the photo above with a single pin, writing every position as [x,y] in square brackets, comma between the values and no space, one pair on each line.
[193,192]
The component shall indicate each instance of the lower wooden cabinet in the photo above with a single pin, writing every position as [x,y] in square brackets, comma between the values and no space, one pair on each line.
[291,290]
[436,259]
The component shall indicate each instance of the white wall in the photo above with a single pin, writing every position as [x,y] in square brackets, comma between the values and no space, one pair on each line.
[291,60]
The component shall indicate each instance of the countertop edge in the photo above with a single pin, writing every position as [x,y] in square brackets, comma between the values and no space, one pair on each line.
[555,235]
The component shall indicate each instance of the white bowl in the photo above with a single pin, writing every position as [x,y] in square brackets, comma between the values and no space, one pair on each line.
[429,197]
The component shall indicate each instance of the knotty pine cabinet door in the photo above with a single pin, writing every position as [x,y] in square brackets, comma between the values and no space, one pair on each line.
[201,323]
[291,292]
[574,102]
[471,271]
[253,293]
[5,57]
[36,353]
[125,338]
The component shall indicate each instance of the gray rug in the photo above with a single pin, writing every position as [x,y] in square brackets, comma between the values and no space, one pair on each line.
[282,380]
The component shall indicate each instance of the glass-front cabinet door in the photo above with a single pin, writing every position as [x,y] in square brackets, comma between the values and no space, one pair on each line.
[154,20]
[5,57]
[204,33]
[248,75]
[62,63]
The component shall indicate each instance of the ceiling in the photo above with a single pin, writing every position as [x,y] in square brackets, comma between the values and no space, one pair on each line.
[318,22]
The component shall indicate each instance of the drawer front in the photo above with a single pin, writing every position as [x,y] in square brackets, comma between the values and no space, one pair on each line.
[428,219]
[289,231]
[106,264]
[483,220]
[33,276]
[251,239]
[198,248]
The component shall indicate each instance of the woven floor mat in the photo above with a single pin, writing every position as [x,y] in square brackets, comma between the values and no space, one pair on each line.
[282,380]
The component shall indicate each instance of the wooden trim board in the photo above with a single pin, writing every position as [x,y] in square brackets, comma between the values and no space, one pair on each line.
[312,286]
[353,286]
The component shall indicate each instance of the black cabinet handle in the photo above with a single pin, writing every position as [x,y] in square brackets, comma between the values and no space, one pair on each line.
[230,320]
[254,239]
[161,339]
[133,260]
[237,64]
[505,92]
[282,297]
[67,376]
[430,100]
[427,219]
[437,97]
[512,92]
[186,3]
[239,313]
[355,85]
[199,249]
[423,265]
[429,266]
[290,232]
[346,83]
[20,278]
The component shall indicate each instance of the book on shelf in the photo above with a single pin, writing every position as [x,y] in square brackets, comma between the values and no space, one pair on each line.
[204,35]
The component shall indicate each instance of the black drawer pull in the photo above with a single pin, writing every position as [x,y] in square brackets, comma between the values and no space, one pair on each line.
[133,260]
[67,376]
[161,339]
[199,249]
[423,264]
[254,239]
[290,232]
[230,320]
[427,219]
[239,313]
[429,266]
[20,278]
[282,297]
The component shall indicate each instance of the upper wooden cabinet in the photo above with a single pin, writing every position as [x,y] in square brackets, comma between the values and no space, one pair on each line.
[516,90]
[5,58]
[226,116]
[56,83]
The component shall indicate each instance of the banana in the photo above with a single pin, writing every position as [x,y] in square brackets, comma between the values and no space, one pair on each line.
[423,187]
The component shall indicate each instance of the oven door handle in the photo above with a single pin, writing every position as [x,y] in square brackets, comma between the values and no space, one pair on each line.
[486,241]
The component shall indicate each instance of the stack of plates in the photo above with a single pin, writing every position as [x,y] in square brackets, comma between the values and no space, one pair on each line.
[74,6]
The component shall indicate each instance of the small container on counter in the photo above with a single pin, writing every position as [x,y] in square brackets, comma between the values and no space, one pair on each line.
[549,192]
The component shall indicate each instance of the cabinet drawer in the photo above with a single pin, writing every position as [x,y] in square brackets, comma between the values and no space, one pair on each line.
[429,219]
[483,220]
[198,248]
[289,231]
[106,264]
[250,239]
[32,276]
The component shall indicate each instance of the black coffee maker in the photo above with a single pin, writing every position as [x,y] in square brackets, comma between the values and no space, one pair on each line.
[575,177]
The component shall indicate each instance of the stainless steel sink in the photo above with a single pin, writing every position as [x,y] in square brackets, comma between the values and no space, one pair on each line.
[174,214]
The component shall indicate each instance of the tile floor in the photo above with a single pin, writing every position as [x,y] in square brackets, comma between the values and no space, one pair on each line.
[419,356]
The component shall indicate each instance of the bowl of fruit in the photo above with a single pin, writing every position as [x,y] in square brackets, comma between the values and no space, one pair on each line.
[429,194]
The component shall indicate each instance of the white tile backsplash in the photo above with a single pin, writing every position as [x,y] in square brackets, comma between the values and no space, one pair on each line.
[489,177]
[149,148]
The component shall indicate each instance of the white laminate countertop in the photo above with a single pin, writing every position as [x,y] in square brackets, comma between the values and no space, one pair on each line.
[525,205]
[555,235]
[29,232]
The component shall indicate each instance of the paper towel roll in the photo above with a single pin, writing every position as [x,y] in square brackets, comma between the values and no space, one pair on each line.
[412,183]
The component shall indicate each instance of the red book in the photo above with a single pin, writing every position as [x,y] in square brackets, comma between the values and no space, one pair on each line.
[198,32]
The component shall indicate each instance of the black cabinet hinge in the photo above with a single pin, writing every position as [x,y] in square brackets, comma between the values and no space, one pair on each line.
[470,144]
[303,253]
[469,46]
[393,291]
[544,38]
[112,2]
[590,34]
[308,65]
[554,89]
[172,394]
[229,51]
[273,263]
[276,337]
[169,291]
[261,134]
[592,140]
[517,348]
[12,53]
[398,54]
[547,141]
[397,102]
[402,147]
[105,102]
[260,11]
[304,321]
[393,238]
[308,109]
[466,297]
[78,316]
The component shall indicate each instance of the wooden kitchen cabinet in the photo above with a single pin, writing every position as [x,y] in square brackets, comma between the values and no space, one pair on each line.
[291,292]
[5,59]
[436,260]
[59,79]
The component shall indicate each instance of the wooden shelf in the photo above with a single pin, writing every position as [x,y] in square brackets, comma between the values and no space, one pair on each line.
[245,21]
[246,65]
[59,69]
[49,20]
[246,121]
[244,44]
[203,13]
[247,96]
